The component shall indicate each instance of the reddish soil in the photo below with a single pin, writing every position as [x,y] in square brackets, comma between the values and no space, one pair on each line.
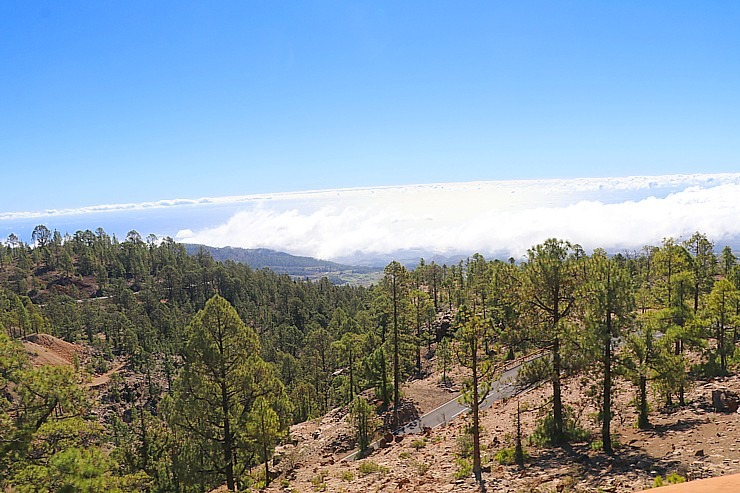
[723,484]
[693,442]
[105,377]
[45,349]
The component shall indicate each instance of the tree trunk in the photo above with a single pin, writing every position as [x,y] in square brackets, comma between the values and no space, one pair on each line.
[351,377]
[384,380]
[696,297]
[681,389]
[557,400]
[418,338]
[144,450]
[606,438]
[519,450]
[434,290]
[476,414]
[227,445]
[267,465]
[721,346]
[396,362]
[642,419]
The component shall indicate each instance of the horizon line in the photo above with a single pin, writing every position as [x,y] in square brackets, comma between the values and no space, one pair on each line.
[645,181]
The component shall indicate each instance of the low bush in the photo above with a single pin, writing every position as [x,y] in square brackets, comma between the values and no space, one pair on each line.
[318,480]
[672,478]
[544,434]
[507,456]
[418,444]
[369,467]
[420,467]
[465,445]
[348,476]
[464,468]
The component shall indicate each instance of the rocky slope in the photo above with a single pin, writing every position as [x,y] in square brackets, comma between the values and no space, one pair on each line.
[692,442]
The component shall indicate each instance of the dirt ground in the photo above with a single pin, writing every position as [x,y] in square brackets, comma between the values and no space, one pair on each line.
[693,442]
[720,484]
[105,377]
[45,349]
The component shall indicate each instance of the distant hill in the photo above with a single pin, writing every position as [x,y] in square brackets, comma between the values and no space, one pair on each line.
[293,265]
[409,258]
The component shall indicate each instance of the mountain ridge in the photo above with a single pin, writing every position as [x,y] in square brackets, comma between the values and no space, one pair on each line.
[292,265]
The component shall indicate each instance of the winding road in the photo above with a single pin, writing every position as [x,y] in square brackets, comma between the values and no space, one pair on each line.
[503,387]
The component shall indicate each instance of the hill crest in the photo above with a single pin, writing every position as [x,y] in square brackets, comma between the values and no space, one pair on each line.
[292,265]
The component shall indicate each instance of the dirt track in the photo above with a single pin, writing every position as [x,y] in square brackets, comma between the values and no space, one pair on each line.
[45,349]
[105,377]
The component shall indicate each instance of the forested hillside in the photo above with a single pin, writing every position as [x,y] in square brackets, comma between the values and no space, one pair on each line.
[283,263]
[190,371]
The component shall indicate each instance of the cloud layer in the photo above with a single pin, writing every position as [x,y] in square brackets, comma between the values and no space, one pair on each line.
[494,218]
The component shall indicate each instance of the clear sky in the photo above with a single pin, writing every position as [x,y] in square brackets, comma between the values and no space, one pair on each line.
[114,102]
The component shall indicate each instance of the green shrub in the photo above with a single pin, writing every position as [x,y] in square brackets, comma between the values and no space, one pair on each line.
[418,444]
[544,434]
[465,445]
[598,444]
[248,481]
[369,467]
[711,367]
[348,476]
[404,455]
[98,366]
[420,467]
[318,480]
[464,468]
[675,478]
[507,456]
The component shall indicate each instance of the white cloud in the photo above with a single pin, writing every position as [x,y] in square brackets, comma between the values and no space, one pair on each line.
[507,194]
[503,218]
[489,217]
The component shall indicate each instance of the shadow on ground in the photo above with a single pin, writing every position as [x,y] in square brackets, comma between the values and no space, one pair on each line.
[579,462]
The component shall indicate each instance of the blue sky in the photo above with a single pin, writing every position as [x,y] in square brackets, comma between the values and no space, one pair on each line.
[118,102]
[110,110]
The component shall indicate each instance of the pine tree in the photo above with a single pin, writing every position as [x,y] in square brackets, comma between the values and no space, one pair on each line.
[723,321]
[264,428]
[222,378]
[395,284]
[609,302]
[444,358]
[548,289]
[471,333]
[361,418]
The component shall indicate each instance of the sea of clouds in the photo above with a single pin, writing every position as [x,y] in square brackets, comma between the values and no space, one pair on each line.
[496,218]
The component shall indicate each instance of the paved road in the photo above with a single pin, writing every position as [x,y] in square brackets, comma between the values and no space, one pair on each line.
[501,389]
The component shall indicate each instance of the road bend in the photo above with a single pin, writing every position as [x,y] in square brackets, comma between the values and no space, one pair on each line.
[503,387]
